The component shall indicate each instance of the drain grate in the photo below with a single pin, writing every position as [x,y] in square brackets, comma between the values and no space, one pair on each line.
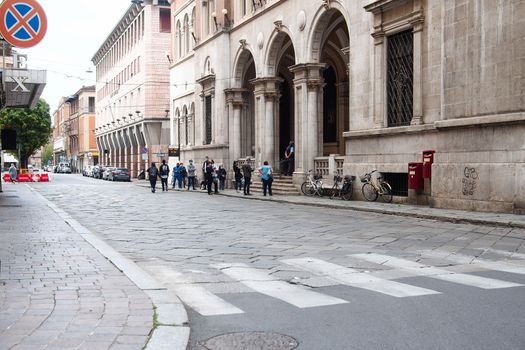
[10,206]
[251,341]
[10,196]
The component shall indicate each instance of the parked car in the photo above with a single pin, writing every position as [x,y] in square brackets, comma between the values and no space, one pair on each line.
[107,171]
[87,171]
[119,174]
[98,171]
[63,168]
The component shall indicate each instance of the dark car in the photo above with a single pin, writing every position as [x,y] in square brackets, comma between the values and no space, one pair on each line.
[98,171]
[119,174]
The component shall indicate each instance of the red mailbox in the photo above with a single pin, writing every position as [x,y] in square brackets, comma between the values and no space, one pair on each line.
[415,176]
[428,160]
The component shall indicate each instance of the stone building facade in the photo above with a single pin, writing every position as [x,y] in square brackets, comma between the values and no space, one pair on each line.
[358,85]
[132,93]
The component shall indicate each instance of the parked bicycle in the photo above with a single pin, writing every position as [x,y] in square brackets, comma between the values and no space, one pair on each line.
[345,190]
[313,185]
[372,189]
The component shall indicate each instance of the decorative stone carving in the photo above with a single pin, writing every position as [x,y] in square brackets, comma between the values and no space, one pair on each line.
[301,20]
[260,40]
[243,43]
[278,25]
[326,4]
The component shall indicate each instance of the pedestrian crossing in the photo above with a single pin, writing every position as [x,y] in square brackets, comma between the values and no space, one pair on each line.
[207,303]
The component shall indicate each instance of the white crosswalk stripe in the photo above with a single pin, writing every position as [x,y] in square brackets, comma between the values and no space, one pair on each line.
[195,296]
[205,302]
[418,269]
[263,283]
[354,278]
[512,266]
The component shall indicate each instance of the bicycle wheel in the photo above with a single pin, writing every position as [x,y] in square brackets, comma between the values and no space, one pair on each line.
[347,192]
[369,192]
[386,192]
[307,189]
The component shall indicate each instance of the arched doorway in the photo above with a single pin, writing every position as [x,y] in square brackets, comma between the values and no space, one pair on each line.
[241,105]
[329,45]
[280,58]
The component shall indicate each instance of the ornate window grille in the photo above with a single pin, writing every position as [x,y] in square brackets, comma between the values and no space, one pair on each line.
[208,119]
[400,78]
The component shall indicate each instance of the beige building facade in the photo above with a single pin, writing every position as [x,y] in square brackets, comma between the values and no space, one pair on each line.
[132,93]
[358,85]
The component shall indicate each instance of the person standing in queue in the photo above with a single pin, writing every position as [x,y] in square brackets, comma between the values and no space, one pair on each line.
[191,174]
[266,172]
[164,174]
[247,171]
[289,156]
[209,171]
[153,173]
[238,176]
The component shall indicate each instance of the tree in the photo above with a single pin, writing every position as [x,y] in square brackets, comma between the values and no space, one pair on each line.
[33,127]
[47,154]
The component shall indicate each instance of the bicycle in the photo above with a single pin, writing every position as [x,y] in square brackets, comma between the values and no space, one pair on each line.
[372,189]
[346,190]
[313,185]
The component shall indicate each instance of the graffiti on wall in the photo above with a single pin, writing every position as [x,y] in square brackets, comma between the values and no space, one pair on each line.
[470,181]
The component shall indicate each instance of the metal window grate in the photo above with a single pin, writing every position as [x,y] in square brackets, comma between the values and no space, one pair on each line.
[208,119]
[398,182]
[400,78]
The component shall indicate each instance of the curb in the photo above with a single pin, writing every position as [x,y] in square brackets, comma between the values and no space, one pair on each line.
[393,211]
[445,218]
[172,331]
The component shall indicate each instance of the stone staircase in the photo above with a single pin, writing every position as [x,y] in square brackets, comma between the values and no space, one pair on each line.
[282,185]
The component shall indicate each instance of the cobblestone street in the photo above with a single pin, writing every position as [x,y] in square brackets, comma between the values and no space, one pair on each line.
[215,252]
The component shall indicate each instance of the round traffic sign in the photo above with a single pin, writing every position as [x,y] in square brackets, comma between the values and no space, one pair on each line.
[23,23]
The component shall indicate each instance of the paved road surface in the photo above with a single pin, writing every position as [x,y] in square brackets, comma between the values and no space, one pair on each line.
[330,279]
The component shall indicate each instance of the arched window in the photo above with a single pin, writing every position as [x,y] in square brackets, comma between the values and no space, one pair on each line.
[185,118]
[179,40]
[186,34]
[211,10]
[192,27]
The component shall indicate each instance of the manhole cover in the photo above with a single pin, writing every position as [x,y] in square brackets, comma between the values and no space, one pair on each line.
[251,341]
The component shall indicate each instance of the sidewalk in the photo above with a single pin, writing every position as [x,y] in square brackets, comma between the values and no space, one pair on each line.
[416,211]
[57,291]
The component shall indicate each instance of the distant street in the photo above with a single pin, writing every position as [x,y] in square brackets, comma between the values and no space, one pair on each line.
[330,279]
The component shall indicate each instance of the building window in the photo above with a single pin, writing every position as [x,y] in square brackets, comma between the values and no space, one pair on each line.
[400,78]
[186,133]
[91,105]
[165,20]
[208,119]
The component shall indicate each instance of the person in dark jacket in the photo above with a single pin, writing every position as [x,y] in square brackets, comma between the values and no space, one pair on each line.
[238,176]
[164,174]
[222,177]
[153,173]
[247,171]
[209,171]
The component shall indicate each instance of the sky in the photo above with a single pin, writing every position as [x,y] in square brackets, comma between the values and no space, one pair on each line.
[76,29]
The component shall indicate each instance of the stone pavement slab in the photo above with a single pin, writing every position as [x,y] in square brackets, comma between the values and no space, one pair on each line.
[416,211]
[57,291]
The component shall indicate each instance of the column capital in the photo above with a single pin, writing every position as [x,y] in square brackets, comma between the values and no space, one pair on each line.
[235,96]
[266,85]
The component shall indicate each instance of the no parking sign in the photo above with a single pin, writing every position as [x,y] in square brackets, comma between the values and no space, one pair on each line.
[23,23]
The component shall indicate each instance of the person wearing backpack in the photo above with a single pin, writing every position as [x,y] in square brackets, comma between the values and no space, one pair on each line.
[153,173]
[164,174]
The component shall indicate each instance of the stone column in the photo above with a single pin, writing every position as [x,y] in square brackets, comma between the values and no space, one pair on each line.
[379,80]
[417,98]
[308,84]
[266,92]
[235,102]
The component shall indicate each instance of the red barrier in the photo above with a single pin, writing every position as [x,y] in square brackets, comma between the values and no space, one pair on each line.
[44,178]
[7,178]
[24,178]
